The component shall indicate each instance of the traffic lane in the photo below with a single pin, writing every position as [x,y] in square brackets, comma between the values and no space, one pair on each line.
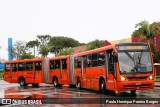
[65,95]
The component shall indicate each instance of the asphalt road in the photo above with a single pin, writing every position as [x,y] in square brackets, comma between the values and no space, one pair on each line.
[47,95]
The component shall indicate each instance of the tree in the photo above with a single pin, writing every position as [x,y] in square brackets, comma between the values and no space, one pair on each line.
[27,55]
[65,51]
[144,31]
[59,42]
[33,44]
[44,47]
[94,44]
[44,50]
[18,49]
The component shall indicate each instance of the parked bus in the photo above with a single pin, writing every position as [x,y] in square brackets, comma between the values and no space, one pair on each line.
[24,72]
[121,67]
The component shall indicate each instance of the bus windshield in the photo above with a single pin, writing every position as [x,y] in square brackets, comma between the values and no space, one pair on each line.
[134,61]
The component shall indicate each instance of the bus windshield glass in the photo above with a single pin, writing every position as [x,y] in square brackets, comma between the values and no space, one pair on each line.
[134,61]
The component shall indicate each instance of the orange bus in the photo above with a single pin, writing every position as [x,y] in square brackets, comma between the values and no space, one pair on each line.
[120,67]
[59,70]
[24,72]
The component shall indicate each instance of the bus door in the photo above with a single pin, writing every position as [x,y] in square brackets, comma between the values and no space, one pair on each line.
[14,78]
[111,73]
[29,72]
[83,73]
[7,73]
[38,76]
[64,72]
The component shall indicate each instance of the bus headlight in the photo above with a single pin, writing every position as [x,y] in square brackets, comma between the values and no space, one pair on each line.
[150,77]
[123,79]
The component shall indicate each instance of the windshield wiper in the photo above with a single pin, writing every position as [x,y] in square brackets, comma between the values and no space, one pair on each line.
[129,55]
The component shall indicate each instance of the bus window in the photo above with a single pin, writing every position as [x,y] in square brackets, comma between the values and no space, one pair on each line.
[52,64]
[94,60]
[101,58]
[75,62]
[111,61]
[89,61]
[21,66]
[64,63]
[79,62]
[38,65]
[14,67]
[29,66]
[7,67]
[57,64]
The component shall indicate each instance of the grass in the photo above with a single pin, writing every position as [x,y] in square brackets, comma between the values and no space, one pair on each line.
[1,75]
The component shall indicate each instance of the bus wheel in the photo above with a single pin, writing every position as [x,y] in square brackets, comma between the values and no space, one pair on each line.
[78,85]
[22,82]
[35,85]
[102,87]
[55,81]
[133,92]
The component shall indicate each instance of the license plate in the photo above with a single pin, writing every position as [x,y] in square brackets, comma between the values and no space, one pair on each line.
[138,83]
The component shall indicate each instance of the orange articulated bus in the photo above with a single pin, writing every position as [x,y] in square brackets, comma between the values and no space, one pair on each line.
[24,72]
[121,67]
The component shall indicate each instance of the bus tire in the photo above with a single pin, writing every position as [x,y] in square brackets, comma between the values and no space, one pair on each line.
[102,86]
[35,85]
[133,92]
[78,85]
[22,82]
[55,82]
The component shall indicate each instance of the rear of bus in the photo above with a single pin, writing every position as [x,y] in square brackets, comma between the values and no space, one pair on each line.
[135,67]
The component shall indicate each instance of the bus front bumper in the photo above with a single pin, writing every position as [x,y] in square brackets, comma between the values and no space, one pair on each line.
[135,85]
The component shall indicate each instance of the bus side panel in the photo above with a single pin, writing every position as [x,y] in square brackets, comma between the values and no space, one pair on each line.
[20,74]
[110,82]
[96,73]
[14,77]
[7,77]
[77,73]
[29,76]
[39,74]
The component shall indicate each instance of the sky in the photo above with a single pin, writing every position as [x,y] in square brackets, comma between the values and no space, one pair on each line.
[83,20]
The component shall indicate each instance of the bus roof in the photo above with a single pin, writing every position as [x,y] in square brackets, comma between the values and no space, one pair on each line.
[24,60]
[60,57]
[96,50]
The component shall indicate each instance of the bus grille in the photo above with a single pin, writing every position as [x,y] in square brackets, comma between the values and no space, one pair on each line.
[140,86]
[137,78]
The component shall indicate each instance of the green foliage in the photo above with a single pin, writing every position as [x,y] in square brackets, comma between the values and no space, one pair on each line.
[27,55]
[44,39]
[33,44]
[156,57]
[155,28]
[65,51]
[1,74]
[44,50]
[59,42]
[94,44]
